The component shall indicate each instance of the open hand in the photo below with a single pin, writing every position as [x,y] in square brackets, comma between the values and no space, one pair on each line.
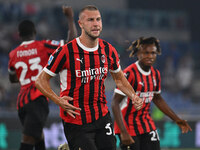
[70,109]
[185,127]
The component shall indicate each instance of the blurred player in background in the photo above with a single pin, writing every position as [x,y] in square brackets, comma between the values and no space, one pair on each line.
[83,65]
[25,63]
[135,128]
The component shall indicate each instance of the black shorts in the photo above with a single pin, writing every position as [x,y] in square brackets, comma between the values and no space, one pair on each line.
[94,136]
[33,116]
[147,141]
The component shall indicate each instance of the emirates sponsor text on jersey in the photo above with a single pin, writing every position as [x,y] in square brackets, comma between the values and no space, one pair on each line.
[91,74]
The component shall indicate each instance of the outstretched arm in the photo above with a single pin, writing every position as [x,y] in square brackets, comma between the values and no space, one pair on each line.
[124,135]
[42,83]
[162,105]
[72,31]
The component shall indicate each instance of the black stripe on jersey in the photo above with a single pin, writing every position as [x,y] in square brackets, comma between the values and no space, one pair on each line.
[91,94]
[157,80]
[81,89]
[148,83]
[142,90]
[114,60]
[61,64]
[107,52]
[29,93]
[136,81]
[154,88]
[50,46]
[136,112]
[23,98]
[100,84]
[127,74]
[54,58]
[72,68]
[19,100]
[130,105]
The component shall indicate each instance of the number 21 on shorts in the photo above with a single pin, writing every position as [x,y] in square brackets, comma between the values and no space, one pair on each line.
[154,135]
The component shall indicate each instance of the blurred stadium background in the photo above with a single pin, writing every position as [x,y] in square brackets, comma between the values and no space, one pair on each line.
[177,25]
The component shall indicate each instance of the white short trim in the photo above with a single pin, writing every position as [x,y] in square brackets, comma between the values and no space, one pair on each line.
[115,71]
[49,72]
[119,92]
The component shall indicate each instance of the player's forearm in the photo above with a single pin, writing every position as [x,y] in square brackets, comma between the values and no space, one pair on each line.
[72,31]
[118,115]
[42,83]
[162,105]
[123,84]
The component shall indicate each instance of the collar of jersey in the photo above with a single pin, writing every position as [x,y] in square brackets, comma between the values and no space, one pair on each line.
[141,70]
[27,42]
[87,48]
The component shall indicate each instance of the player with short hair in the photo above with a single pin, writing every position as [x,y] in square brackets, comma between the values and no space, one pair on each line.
[25,63]
[135,128]
[83,65]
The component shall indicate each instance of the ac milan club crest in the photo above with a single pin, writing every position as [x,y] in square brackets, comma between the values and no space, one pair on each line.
[103,59]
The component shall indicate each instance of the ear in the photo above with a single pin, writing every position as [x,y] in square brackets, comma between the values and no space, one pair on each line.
[80,23]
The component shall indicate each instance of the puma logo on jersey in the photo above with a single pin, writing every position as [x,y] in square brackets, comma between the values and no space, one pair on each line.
[81,60]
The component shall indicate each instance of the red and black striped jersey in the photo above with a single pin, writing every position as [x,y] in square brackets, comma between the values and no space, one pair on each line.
[82,73]
[27,61]
[145,84]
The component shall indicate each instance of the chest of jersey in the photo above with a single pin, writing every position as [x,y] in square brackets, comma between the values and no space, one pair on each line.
[89,66]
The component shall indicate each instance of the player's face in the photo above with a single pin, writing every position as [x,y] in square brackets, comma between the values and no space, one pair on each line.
[91,23]
[147,55]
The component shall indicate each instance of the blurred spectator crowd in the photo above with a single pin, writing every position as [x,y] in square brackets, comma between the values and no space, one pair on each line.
[178,63]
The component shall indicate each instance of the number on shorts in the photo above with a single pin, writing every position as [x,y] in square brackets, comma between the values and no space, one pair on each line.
[34,62]
[109,128]
[155,136]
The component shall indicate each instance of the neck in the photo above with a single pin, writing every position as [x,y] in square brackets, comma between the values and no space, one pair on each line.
[145,68]
[88,41]
[27,38]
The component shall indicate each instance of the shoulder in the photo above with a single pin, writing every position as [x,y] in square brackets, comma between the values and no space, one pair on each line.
[155,71]
[131,68]
[104,43]
[13,52]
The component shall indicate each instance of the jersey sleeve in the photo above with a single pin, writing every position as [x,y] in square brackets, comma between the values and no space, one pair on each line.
[11,68]
[52,45]
[115,63]
[129,76]
[56,62]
